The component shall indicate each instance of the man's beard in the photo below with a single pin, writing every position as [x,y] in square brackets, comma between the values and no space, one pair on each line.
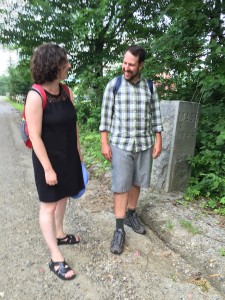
[133,75]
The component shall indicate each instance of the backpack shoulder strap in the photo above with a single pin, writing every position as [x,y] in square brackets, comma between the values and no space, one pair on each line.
[117,85]
[39,89]
[150,85]
[66,89]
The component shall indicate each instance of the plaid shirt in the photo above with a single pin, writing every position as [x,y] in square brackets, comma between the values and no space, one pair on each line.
[131,116]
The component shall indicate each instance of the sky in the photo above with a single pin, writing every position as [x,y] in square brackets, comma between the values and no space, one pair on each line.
[7,58]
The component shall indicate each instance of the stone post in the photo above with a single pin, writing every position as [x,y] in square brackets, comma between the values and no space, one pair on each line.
[170,171]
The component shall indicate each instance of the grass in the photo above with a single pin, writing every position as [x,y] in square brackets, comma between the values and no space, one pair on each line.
[222,251]
[91,150]
[17,106]
[189,227]
[169,225]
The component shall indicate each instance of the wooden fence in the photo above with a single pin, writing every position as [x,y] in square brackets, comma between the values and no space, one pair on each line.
[19,98]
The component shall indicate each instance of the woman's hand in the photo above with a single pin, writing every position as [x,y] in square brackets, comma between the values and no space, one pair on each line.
[51,177]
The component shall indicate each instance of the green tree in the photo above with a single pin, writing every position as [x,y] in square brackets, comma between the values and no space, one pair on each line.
[192,49]
[184,39]
[95,32]
[3,85]
[19,80]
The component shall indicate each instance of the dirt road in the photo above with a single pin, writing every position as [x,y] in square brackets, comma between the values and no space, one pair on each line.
[170,262]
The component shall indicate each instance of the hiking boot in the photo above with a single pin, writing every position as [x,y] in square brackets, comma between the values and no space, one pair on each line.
[118,241]
[134,222]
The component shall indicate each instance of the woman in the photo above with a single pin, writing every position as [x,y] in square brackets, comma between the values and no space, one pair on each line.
[56,150]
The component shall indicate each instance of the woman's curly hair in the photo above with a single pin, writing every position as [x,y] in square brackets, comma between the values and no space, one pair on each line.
[47,61]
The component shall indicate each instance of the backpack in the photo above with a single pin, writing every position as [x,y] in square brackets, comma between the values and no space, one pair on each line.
[23,126]
[118,83]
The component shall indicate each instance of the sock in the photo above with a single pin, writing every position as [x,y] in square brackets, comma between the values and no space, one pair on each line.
[130,212]
[120,224]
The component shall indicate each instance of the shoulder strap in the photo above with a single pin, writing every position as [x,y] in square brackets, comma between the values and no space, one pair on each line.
[66,89]
[39,89]
[117,85]
[150,85]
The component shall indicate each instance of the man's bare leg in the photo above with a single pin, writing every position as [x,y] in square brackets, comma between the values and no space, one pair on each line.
[133,196]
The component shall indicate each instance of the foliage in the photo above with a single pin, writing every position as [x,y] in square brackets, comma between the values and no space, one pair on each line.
[19,79]
[88,115]
[208,164]
[184,40]
[189,227]
[92,155]
[169,225]
[191,50]
[91,88]
[222,251]
[3,85]
[95,32]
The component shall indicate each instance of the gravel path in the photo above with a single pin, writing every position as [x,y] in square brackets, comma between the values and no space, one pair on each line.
[169,262]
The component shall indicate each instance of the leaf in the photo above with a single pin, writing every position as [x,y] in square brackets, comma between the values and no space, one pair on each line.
[222,200]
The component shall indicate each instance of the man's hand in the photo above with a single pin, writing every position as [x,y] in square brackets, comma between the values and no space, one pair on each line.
[158,146]
[106,151]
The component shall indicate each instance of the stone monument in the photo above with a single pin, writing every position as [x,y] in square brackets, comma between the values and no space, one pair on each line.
[171,171]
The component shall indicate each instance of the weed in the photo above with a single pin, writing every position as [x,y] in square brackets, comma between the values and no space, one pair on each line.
[183,202]
[174,278]
[222,251]
[91,150]
[169,225]
[189,227]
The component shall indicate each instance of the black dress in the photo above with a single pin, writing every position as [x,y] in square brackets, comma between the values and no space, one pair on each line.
[60,139]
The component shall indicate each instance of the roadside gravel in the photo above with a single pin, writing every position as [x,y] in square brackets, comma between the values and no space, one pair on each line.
[169,262]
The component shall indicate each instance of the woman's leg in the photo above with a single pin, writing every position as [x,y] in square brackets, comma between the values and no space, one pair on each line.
[48,228]
[59,217]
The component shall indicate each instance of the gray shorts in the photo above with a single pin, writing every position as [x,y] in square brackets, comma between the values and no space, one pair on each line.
[130,168]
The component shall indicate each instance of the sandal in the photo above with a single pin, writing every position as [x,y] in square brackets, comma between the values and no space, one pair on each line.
[62,270]
[69,239]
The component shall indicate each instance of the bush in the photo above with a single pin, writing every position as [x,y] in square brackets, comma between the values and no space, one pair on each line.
[88,115]
[208,164]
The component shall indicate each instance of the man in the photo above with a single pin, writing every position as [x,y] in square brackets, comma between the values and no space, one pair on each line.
[130,115]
